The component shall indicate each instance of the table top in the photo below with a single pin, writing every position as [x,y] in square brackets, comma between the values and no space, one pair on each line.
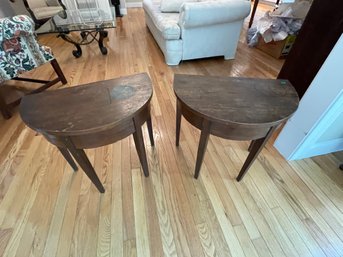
[88,108]
[78,20]
[232,100]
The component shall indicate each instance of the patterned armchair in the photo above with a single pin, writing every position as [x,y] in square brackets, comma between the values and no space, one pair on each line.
[20,52]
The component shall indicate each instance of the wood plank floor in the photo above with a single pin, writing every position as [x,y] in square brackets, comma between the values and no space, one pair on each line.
[280,208]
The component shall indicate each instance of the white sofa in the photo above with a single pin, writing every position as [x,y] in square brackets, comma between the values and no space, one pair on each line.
[198,30]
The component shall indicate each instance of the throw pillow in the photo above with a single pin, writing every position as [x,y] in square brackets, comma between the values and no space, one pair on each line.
[173,5]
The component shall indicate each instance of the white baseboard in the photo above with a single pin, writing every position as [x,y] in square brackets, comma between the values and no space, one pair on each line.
[134,4]
[123,11]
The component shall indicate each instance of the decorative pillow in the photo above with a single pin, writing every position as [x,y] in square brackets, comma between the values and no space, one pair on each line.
[173,5]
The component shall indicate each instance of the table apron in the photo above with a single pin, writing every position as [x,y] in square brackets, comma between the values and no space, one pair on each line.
[229,131]
[97,139]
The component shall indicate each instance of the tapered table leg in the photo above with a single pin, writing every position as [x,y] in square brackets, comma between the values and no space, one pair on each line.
[205,133]
[255,148]
[82,159]
[139,143]
[178,122]
[151,135]
[253,13]
[3,108]
[67,156]
[251,145]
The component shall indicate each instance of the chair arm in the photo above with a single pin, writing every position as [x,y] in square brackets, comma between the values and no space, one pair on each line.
[199,14]
[15,27]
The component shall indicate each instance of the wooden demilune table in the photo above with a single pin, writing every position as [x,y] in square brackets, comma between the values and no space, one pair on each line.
[90,116]
[233,108]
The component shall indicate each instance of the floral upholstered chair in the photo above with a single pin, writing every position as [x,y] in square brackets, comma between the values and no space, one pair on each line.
[20,52]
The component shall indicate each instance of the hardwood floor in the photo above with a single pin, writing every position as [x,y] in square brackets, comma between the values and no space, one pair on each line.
[279,209]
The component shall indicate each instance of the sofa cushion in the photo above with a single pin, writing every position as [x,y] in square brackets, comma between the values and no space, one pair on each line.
[166,23]
[173,5]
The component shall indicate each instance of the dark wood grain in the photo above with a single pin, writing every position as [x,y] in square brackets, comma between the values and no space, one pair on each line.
[235,108]
[76,110]
[92,115]
[237,100]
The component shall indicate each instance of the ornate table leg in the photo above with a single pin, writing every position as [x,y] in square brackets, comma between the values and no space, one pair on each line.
[205,133]
[78,52]
[102,35]
[255,148]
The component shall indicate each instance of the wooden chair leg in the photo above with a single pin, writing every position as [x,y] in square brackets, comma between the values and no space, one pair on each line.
[58,71]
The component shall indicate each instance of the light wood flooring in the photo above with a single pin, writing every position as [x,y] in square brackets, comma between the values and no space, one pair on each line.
[279,209]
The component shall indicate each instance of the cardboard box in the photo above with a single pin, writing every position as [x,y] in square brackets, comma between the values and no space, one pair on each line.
[277,49]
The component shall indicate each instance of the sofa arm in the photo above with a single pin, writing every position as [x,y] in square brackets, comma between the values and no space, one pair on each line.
[199,14]
[15,27]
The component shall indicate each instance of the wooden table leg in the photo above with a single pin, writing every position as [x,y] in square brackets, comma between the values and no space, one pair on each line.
[67,156]
[205,133]
[178,122]
[3,108]
[139,143]
[251,145]
[151,135]
[82,159]
[252,15]
[255,148]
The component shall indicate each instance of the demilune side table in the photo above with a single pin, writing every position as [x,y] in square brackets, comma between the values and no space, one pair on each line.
[233,108]
[92,115]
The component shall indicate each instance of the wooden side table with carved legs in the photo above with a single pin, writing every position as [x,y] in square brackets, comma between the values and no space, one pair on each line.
[233,108]
[90,116]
